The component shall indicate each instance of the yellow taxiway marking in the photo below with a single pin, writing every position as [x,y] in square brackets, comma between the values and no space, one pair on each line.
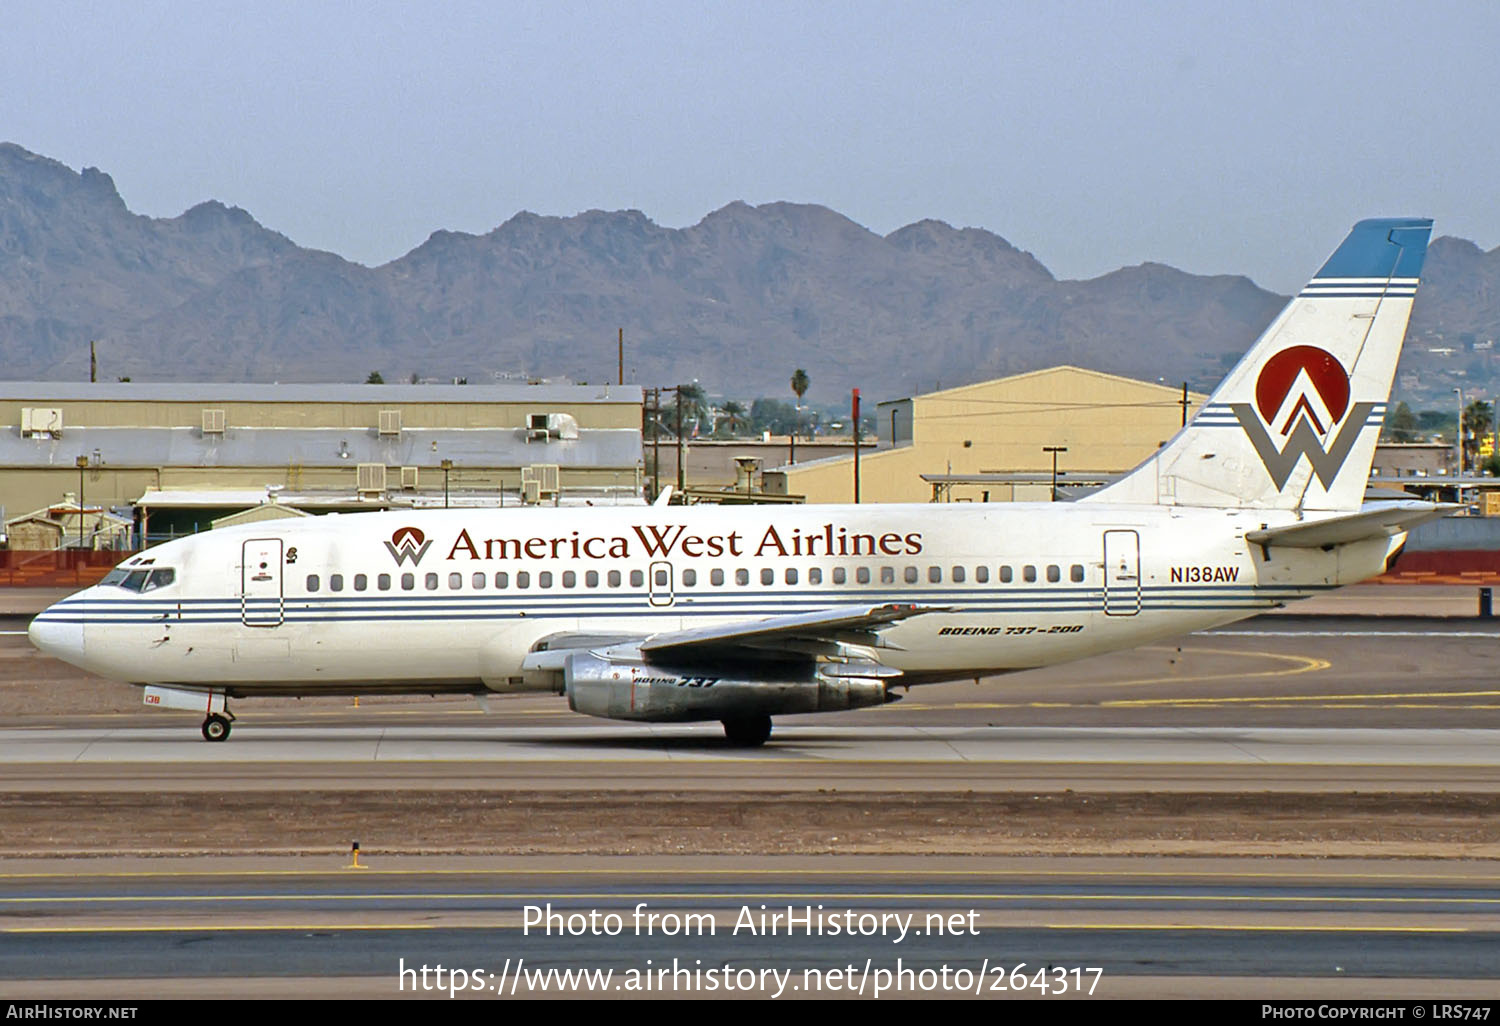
[1302,664]
[1278,699]
[1259,928]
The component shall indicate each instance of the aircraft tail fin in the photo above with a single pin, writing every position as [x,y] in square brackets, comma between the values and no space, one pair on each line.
[1294,425]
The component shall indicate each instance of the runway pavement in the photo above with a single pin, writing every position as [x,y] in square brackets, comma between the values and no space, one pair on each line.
[793,927]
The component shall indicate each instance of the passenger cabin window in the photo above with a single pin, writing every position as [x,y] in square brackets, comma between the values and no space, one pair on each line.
[840,575]
[716,578]
[981,575]
[814,575]
[614,578]
[570,579]
[1054,573]
[408,582]
[1076,573]
[862,575]
[742,577]
[361,582]
[456,581]
[312,582]
[887,575]
[544,579]
[432,582]
[791,575]
[591,579]
[479,581]
[502,580]
[335,582]
[689,578]
[637,578]
[523,579]
[383,582]
[1028,574]
[661,578]
[958,575]
[768,576]
[1006,575]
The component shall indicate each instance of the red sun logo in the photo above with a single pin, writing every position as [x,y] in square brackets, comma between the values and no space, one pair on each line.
[1323,369]
[407,537]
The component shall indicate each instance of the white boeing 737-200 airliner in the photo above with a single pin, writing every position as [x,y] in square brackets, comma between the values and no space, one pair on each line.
[742,613]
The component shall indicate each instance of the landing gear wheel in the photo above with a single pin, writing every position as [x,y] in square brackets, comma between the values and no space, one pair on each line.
[748,731]
[215,728]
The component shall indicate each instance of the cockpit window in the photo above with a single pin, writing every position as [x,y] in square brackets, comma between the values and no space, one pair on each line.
[159,579]
[140,580]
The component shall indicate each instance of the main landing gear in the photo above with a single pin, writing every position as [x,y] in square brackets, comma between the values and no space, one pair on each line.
[216,727]
[748,731]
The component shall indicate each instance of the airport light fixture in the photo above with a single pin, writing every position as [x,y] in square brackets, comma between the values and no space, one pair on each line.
[447,465]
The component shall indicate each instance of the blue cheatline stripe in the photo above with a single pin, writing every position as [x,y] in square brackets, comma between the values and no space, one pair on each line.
[1152,598]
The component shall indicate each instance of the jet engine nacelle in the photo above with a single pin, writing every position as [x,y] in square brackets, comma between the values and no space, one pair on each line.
[639,691]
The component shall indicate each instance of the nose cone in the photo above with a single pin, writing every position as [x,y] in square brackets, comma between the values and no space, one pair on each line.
[54,634]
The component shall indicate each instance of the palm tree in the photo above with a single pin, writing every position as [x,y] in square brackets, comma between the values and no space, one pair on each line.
[734,416]
[1478,420]
[800,383]
[694,405]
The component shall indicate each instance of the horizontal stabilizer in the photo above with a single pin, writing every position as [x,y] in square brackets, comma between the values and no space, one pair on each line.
[1376,520]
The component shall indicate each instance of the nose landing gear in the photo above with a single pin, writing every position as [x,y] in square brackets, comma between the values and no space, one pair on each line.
[216,727]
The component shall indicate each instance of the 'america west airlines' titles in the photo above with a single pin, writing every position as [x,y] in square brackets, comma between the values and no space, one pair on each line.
[665,541]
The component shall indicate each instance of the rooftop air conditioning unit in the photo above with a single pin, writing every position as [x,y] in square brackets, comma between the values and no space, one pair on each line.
[41,422]
[213,422]
[544,475]
[541,427]
[531,492]
[408,479]
[371,477]
[390,422]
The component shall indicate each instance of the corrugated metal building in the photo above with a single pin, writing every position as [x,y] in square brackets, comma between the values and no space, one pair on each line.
[999,429]
[183,455]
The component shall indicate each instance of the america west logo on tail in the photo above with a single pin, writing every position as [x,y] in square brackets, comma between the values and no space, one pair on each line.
[1306,390]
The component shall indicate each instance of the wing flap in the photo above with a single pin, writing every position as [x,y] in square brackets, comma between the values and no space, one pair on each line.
[793,635]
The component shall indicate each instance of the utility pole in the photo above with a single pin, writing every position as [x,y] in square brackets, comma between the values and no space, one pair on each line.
[854,406]
[681,467]
[82,462]
[1184,404]
[1458,439]
[622,356]
[1054,450]
[447,465]
[652,415]
[93,363]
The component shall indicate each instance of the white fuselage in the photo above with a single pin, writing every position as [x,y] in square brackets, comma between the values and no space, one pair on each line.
[331,604]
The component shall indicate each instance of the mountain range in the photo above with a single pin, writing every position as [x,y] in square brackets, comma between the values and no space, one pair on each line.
[736,301]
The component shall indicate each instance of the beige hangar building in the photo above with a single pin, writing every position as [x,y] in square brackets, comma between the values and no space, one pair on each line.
[183,457]
[988,442]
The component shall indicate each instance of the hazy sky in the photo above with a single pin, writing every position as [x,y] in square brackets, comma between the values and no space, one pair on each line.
[1242,137]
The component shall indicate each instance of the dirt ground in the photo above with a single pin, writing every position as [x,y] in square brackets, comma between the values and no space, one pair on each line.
[481,822]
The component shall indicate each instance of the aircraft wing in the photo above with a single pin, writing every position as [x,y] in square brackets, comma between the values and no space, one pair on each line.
[781,637]
[1376,520]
